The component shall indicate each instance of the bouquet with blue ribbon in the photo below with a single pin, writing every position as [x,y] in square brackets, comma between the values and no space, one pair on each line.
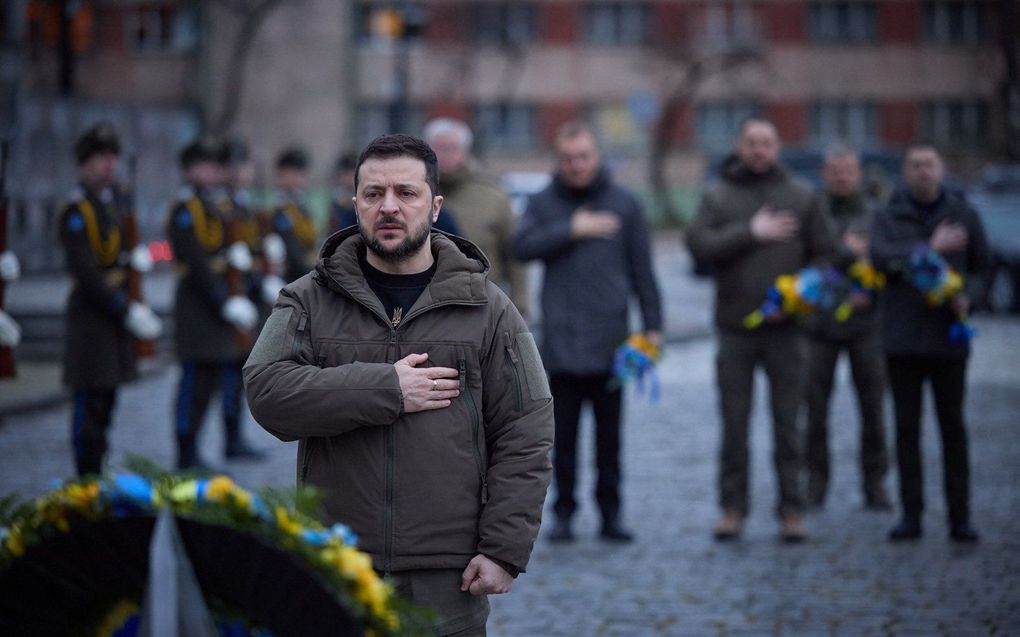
[940,284]
[635,360]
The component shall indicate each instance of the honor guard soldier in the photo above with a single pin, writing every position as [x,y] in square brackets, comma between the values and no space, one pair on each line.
[102,323]
[214,316]
[290,219]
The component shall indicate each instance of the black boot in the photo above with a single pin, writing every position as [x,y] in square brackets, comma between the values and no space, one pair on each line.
[909,528]
[613,531]
[963,532]
[238,449]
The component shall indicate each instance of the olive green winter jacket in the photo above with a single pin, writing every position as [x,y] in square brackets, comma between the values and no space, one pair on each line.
[423,490]
[744,268]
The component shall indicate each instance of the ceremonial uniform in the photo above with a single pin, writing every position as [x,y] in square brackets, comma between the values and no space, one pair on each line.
[297,229]
[209,347]
[99,351]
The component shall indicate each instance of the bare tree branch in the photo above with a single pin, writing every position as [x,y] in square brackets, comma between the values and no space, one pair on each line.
[252,15]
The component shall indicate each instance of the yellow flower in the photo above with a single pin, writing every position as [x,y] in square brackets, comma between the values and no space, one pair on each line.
[15,543]
[286,523]
[218,489]
[82,496]
[242,497]
[184,492]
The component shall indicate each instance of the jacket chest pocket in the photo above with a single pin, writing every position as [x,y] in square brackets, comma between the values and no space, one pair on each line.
[333,352]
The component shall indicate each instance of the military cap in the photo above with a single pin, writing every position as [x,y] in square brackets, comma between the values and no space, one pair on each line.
[293,157]
[101,138]
[346,161]
[205,148]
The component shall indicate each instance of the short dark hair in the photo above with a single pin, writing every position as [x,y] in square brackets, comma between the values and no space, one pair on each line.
[401,145]
[292,157]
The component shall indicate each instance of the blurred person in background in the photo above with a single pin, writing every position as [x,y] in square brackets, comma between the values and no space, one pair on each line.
[214,316]
[916,334]
[844,203]
[102,322]
[10,270]
[757,223]
[482,210]
[342,213]
[290,218]
[592,236]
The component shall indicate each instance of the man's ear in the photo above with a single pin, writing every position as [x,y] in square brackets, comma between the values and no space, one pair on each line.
[437,204]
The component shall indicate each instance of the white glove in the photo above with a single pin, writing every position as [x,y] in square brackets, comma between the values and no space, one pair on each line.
[240,312]
[141,260]
[142,322]
[239,256]
[10,333]
[271,286]
[10,267]
[274,249]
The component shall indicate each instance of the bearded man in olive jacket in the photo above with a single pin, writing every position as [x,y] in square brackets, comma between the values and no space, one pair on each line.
[757,223]
[416,392]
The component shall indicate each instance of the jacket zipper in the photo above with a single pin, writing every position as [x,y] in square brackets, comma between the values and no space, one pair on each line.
[511,361]
[306,461]
[391,487]
[475,426]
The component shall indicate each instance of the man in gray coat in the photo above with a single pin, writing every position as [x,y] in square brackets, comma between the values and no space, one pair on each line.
[593,239]
[757,223]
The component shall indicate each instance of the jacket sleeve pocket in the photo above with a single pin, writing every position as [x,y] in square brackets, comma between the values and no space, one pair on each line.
[275,343]
[531,365]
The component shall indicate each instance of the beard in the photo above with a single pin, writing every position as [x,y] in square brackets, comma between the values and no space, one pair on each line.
[407,248]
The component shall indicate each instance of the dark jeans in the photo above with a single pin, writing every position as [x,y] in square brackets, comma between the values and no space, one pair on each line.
[197,384]
[569,393]
[780,351]
[89,423]
[460,614]
[947,377]
[867,366]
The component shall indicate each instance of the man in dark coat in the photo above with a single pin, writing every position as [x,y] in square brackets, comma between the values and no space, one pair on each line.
[214,318]
[592,237]
[102,322]
[757,223]
[916,334]
[844,204]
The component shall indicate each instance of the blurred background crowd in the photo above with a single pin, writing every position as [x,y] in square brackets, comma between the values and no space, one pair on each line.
[664,84]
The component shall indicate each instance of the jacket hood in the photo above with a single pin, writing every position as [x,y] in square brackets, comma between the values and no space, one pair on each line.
[460,268]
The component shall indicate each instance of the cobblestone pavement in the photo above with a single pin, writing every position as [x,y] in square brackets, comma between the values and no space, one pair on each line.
[674,580]
[846,580]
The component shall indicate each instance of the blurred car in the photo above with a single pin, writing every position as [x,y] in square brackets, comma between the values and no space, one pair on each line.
[520,185]
[997,201]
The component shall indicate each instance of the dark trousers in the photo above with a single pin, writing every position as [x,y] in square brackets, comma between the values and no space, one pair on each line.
[867,367]
[569,394]
[197,384]
[459,614]
[90,420]
[947,377]
[780,351]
